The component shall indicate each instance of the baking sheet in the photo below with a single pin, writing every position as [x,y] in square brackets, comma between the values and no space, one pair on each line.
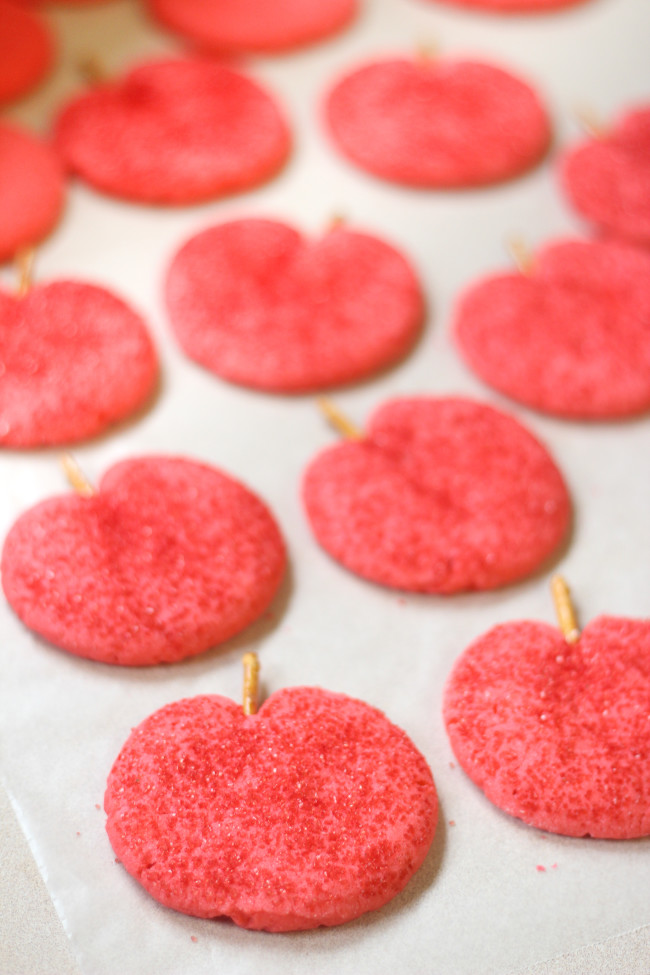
[480,903]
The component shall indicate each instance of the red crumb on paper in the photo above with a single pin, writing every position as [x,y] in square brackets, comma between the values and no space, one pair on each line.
[540,868]
[97,806]
[194,938]
[554,866]
[452,822]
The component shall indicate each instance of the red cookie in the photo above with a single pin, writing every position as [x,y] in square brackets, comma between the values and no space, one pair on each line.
[249,25]
[26,51]
[310,812]
[558,734]
[440,496]
[75,359]
[607,179]
[31,190]
[257,304]
[174,131]
[571,337]
[167,559]
[434,123]
[515,6]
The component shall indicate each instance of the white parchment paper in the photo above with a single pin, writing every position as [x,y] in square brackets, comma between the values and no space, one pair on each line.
[480,903]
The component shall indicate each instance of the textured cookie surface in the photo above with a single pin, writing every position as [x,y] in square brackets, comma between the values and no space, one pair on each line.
[31,190]
[558,735]
[441,496]
[75,360]
[167,559]
[437,123]
[252,26]
[26,51]
[174,132]
[607,179]
[259,305]
[309,813]
[571,337]
[515,6]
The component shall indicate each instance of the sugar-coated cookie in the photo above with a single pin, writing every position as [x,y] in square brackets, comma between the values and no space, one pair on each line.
[607,177]
[435,123]
[258,304]
[174,131]
[26,51]
[569,337]
[310,812]
[249,25]
[75,360]
[169,558]
[441,495]
[31,189]
[558,734]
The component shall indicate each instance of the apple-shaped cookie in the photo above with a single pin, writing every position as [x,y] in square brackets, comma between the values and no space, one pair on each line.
[31,189]
[557,733]
[607,178]
[258,304]
[249,25]
[440,496]
[75,359]
[515,6]
[26,51]
[437,123]
[168,558]
[174,131]
[309,812]
[571,337]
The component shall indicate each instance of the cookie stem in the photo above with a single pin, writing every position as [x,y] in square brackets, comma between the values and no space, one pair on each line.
[251,672]
[564,609]
[24,263]
[338,420]
[92,70]
[521,255]
[590,122]
[76,477]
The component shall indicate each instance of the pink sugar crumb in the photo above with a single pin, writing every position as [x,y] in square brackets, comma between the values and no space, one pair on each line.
[540,868]
[194,938]
[452,822]
[309,813]
[97,806]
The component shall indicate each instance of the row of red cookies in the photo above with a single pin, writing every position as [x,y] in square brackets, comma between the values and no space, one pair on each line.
[181,131]
[27,47]
[316,808]
[182,856]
